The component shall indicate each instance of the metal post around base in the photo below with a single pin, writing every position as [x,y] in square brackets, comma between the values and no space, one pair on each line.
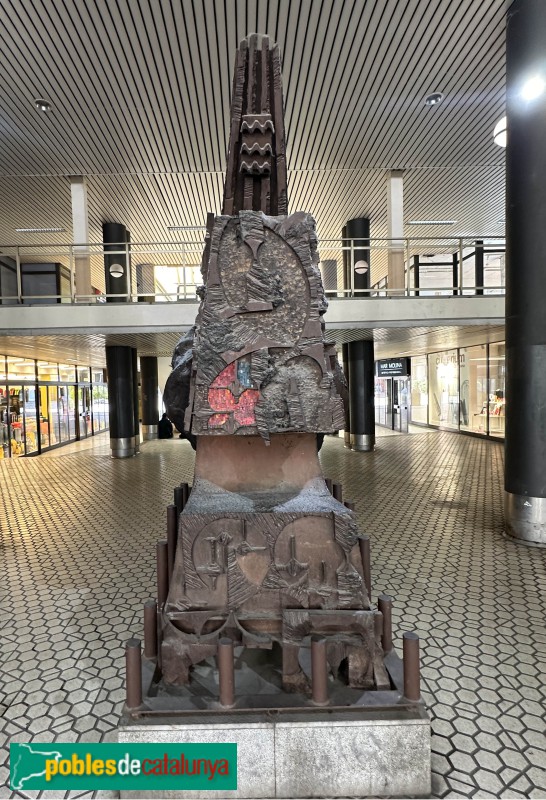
[149,432]
[133,675]
[525,518]
[362,442]
[226,673]
[123,447]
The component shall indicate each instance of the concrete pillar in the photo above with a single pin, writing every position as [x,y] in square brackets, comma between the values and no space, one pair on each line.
[80,236]
[525,443]
[358,257]
[361,395]
[119,364]
[395,231]
[149,396]
[116,267]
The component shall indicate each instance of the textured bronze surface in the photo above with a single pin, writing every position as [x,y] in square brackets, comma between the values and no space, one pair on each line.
[267,553]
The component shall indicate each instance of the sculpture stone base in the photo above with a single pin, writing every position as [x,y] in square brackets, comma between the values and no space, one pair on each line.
[363,744]
[307,753]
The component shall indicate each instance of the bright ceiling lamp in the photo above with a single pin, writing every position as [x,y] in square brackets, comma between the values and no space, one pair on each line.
[499,132]
[533,88]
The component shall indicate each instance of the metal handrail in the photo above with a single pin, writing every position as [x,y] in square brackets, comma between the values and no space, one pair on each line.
[459,249]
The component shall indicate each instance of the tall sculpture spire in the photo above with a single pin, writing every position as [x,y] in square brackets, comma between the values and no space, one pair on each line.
[256,161]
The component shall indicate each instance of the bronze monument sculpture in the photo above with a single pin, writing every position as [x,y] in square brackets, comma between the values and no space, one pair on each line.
[262,554]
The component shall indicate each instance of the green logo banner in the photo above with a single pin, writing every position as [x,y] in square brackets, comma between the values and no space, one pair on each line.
[90,767]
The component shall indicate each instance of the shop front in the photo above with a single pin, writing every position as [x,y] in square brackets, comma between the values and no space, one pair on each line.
[45,405]
[392,393]
[462,389]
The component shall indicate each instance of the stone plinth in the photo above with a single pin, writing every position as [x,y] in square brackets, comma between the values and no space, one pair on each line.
[311,753]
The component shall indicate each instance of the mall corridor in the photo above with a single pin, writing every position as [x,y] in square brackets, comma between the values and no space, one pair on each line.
[78,539]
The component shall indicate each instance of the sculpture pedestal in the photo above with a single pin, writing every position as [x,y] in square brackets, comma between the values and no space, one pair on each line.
[363,744]
[307,754]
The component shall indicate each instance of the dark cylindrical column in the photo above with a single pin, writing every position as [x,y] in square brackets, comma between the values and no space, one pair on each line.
[115,237]
[133,674]
[162,559]
[525,468]
[149,396]
[349,504]
[345,358]
[185,493]
[358,233]
[150,629]
[319,671]
[337,491]
[136,398]
[384,604]
[226,673]
[365,555]
[412,672]
[478,266]
[361,395]
[172,537]
[119,364]
[455,274]
[329,484]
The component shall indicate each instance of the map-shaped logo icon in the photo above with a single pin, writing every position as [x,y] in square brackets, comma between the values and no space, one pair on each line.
[28,762]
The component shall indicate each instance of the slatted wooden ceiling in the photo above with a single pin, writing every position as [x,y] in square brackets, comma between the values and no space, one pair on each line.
[140,92]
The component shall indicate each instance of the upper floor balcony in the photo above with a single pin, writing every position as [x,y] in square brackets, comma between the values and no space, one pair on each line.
[153,286]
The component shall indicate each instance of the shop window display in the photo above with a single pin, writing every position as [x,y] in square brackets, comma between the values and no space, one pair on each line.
[40,403]
[473,388]
[443,389]
[497,388]
[419,390]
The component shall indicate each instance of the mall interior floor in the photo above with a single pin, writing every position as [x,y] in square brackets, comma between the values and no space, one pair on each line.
[79,532]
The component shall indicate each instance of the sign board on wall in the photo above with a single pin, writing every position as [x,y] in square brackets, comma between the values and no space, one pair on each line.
[393,368]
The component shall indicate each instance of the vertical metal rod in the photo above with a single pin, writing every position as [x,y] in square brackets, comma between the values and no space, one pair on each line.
[329,484]
[185,492]
[19,277]
[172,537]
[226,673]
[364,544]
[412,673]
[408,256]
[162,573]
[150,629]
[179,499]
[129,276]
[337,491]
[319,671]
[384,604]
[352,267]
[133,674]
[350,505]
[461,267]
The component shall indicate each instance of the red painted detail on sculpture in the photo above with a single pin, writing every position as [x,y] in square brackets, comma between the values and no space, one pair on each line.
[224,401]
[226,377]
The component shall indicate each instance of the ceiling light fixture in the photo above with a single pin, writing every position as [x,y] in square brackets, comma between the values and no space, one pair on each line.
[499,132]
[43,105]
[40,230]
[432,222]
[533,88]
[434,98]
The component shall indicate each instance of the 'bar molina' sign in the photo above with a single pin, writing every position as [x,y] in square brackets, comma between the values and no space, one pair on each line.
[393,368]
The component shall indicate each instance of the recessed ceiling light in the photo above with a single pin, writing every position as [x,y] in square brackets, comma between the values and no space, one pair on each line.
[499,132]
[43,105]
[40,230]
[533,88]
[434,98]
[432,222]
